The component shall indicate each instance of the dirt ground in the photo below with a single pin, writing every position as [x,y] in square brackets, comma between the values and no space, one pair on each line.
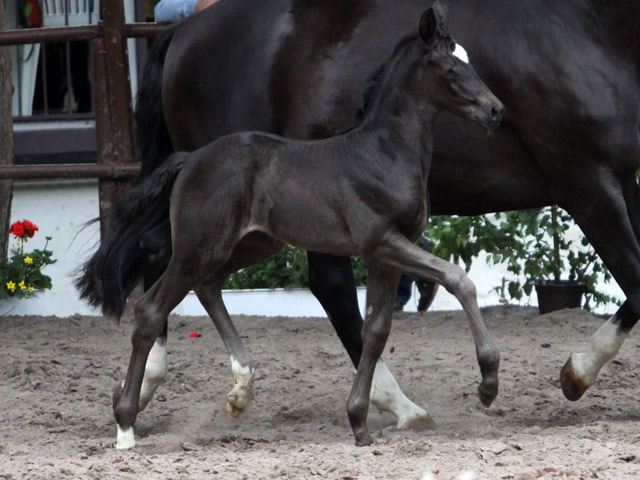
[56,377]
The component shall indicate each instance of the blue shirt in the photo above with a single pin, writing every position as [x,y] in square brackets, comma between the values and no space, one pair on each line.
[174,10]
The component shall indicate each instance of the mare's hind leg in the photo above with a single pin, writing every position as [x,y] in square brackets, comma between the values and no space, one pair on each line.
[331,281]
[156,245]
[397,253]
[381,290]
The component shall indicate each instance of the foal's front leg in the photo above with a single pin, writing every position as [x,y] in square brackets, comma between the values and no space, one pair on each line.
[381,288]
[396,252]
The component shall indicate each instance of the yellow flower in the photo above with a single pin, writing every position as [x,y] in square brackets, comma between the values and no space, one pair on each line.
[11,286]
[31,289]
[28,260]
[22,285]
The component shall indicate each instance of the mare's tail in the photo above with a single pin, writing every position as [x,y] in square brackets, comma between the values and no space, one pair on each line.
[110,275]
[113,271]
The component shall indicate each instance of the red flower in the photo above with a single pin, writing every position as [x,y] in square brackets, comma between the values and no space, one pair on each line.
[195,335]
[17,229]
[29,228]
[23,229]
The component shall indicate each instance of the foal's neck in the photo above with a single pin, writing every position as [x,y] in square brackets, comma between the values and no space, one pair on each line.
[400,114]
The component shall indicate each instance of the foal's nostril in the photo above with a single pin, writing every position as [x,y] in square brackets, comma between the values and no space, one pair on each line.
[496,113]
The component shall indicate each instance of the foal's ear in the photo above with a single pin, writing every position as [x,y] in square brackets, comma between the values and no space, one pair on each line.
[433,22]
[428,25]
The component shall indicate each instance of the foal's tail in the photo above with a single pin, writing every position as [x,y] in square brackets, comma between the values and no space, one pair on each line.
[115,268]
[113,271]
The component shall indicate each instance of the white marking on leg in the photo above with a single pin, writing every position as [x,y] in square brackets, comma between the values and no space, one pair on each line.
[155,372]
[461,53]
[387,396]
[124,438]
[605,344]
[240,395]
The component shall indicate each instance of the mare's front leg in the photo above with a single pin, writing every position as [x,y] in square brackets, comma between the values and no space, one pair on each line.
[381,290]
[611,222]
[398,253]
[151,314]
[331,281]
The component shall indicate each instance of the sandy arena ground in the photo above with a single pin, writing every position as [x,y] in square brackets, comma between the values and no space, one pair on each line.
[56,377]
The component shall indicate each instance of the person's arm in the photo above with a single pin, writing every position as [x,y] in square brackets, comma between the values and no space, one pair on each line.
[174,10]
[202,4]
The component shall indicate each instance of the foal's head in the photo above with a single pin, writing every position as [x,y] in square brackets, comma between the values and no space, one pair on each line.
[450,81]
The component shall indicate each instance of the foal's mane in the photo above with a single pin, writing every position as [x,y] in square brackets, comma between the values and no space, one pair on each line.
[374,82]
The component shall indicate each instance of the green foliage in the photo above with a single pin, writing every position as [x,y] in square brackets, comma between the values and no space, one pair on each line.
[526,242]
[287,269]
[21,273]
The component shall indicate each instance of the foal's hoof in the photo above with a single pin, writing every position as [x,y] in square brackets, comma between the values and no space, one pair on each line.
[364,440]
[488,390]
[237,400]
[116,394]
[573,386]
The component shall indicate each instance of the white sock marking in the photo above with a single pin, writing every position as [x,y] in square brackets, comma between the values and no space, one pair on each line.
[155,372]
[124,438]
[604,345]
[461,53]
[387,396]
[240,395]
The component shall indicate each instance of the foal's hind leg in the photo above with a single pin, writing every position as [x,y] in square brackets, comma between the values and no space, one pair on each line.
[331,281]
[150,315]
[242,366]
[381,290]
[252,249]
[398,253]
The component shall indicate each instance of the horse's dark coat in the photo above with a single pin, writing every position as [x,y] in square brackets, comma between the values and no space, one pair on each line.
[568,73]
[238,199]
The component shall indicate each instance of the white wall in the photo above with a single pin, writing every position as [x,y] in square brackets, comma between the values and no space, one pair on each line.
[61,208]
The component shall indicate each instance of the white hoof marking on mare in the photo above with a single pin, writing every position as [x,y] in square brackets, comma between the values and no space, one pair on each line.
[387,396]
[155,372]
[240,395]
[124,438]
[604,345]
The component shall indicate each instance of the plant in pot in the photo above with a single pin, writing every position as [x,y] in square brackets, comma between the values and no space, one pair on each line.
[21,272]
[545,252]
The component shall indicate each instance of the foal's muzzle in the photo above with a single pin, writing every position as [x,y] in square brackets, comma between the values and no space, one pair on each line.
[492,112]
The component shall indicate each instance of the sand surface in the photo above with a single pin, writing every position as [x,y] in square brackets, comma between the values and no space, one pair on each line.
[56,377]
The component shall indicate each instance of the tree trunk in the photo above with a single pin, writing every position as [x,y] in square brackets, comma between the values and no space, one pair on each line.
[6,136]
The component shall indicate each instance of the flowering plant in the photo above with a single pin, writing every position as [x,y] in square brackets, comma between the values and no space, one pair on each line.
[21,273]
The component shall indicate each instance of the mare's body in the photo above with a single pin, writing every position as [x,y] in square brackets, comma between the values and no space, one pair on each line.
[568,73]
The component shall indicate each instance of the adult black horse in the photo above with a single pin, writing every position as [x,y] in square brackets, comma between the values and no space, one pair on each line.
[567,72]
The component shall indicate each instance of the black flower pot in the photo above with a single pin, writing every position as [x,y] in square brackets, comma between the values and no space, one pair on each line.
[556,295]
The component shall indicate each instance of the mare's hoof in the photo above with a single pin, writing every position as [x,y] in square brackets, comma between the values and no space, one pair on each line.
[116,394]
[420,424]
[573,386]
